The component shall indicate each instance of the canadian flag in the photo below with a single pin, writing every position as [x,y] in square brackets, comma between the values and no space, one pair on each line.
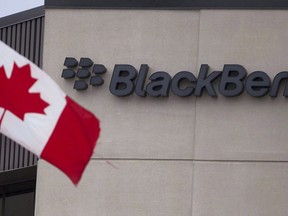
[38,115]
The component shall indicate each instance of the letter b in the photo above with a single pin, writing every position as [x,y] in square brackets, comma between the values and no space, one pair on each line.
[231,84]
[122,80]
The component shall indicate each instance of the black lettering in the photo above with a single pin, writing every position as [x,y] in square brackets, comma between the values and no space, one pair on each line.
[139,89]
[276,84]
[159,85]
[176,84]
[122,80]
[231,81]
[257,84]
[205,81]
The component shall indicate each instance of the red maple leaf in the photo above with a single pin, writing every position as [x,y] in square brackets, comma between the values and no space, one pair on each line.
[14,92]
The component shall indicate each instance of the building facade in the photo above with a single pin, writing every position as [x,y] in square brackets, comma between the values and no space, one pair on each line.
[217,151]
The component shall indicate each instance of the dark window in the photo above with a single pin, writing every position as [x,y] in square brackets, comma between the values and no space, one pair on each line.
[17,192]
[18,204]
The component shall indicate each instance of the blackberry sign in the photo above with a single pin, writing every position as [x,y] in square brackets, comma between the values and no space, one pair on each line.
[232,81]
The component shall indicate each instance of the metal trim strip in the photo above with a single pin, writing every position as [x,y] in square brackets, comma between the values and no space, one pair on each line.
[168,4]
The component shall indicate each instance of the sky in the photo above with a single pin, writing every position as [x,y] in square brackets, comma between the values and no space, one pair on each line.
[8,7]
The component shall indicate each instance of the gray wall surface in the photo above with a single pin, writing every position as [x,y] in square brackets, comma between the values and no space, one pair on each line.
[173,156]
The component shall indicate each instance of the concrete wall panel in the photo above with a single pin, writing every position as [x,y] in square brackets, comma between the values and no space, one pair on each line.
[117,188]
[244,127]
[132,127]
[224,189]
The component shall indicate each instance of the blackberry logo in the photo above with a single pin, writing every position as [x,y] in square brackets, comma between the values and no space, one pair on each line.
[82,70]
[232,80]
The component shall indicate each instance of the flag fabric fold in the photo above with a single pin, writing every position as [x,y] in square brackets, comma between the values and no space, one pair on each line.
[37,114]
